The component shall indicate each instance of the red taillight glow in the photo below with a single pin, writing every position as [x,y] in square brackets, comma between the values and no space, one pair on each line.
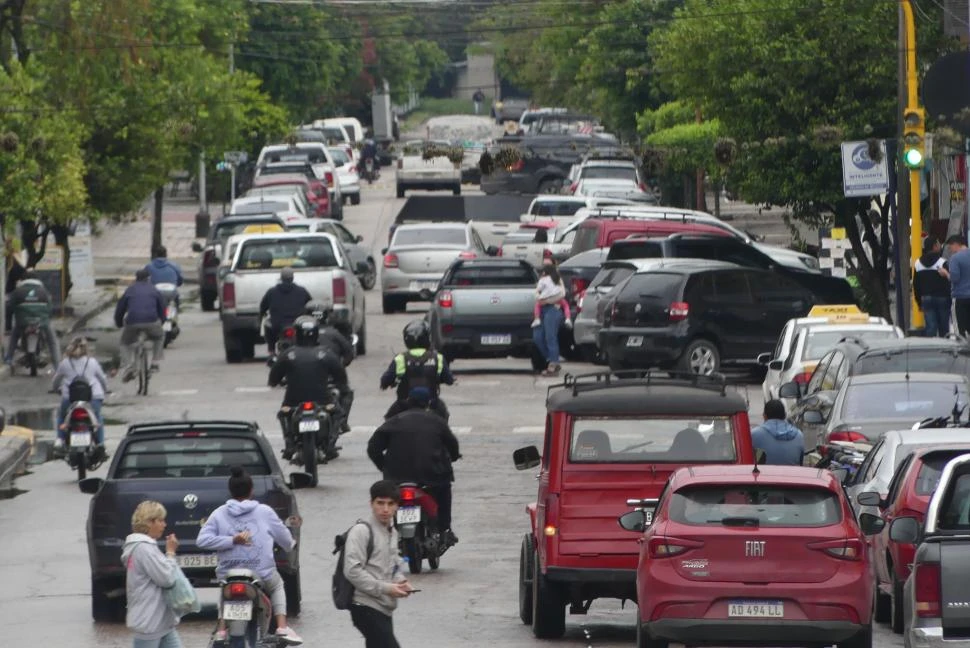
[289,332]
[846,435]
[228,295]
[577,285]
[339,290]
[845,549]
[679,311]
[307,406]
[409,494]
[445,300]
[390,260]
[467,254]
[547,254]
[643,187]
[518,165]
[168,312]
[667,547]
[927,589]
[238,590]
[573,187]
[79,415]
[328,176]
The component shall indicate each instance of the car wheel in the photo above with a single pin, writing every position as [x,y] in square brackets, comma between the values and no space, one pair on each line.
[362,338]
[700,357]
[208,301]
[291,585]
[881,607]
[897,620]
[400,191]
[644,640]
[233,347]
[862,639]
[526,558]
[550,187]
[548,608]
[369,278]
[103,608]
[355,199]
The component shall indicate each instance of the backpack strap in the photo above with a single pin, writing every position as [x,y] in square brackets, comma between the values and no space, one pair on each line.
[370,539]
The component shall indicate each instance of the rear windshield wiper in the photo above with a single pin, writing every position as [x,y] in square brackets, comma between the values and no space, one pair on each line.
[738,521]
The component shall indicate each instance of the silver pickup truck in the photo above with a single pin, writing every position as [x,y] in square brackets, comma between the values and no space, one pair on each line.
[483,308]
[320,264]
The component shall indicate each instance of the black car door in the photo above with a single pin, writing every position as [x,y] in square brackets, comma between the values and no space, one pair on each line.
[780,299]
[734,308]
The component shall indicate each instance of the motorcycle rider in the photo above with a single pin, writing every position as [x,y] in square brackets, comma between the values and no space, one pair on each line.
[419,366]
[418,446]
[309,370]
[162,270]
[144,307]
[284,302]
[368,152]
[30,300]
[335,337]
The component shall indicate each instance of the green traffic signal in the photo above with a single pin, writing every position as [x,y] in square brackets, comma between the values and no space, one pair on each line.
[913,158]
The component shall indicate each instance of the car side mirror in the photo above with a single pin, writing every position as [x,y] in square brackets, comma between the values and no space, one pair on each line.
[764,358]
[633,521]
[300,480]
[760,457]
[197,247]
[871,524]
[904,530]
[790,390]
[776,365]
[91,485]
[363,267]
[870,499]
[526,458]
[359,238]
[813,417]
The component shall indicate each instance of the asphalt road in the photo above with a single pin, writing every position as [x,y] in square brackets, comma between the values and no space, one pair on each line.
[497,406]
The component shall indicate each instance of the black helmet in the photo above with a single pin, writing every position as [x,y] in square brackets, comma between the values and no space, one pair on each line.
[307,331]
[417,335]
[319,310]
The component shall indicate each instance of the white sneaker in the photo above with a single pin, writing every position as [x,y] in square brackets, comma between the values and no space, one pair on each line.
[536,323]
[289,636]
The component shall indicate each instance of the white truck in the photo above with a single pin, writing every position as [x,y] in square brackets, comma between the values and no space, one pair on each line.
[414,172]
[320,264]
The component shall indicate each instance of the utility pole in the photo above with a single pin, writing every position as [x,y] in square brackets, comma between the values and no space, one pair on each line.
[157,219]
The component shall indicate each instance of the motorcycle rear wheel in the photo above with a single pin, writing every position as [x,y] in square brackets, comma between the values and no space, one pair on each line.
[412,550]
[310,455]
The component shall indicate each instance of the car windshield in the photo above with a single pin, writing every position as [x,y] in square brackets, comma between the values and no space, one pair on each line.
[190,456]
[556,208]
[482,275]
[949,360]
[820,342]
[430,236]
[261,207]
[339,156]
[609,173]
[653,440]
[755,506]
[288,253]
[906,400]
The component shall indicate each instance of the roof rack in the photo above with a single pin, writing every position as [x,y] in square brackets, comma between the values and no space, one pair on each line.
[215,426]
[581,383]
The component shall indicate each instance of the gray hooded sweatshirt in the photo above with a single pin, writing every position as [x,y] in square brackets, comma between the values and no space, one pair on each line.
[373,578]
[149,572]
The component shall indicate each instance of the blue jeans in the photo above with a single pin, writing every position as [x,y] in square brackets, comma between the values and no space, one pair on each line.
[546,335]
[936,311]
[170,640]
[95,405]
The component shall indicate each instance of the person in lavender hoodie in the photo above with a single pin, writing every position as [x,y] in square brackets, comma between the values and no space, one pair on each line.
[242,531]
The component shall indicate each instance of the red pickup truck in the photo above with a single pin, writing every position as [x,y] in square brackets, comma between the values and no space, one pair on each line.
[611,442]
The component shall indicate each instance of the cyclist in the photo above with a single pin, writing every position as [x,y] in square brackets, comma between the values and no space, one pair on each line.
[140,310]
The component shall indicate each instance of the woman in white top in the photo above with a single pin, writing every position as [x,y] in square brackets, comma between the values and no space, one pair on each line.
[77,364]
[545,332]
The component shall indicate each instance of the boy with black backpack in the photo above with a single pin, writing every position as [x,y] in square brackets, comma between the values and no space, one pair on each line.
[370,573]
[79,378]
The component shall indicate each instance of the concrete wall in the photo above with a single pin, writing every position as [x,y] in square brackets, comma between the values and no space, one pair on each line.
[478,72]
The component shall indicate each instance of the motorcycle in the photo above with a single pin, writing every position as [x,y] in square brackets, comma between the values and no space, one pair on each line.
[419,537]
[312,434]
[171,324]
[247,611]
[32,350]
[369,171]
[80,448]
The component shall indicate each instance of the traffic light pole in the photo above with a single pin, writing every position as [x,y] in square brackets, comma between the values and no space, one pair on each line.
[912,109]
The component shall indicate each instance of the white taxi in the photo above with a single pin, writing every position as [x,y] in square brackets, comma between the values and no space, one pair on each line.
[804,340]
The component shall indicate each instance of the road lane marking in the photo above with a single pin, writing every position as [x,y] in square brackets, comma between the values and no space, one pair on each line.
[477,383]
[529,429]
[252,390]
[179,392]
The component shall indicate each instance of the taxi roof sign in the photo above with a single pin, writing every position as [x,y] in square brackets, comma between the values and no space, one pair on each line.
[263,228]
[839,313]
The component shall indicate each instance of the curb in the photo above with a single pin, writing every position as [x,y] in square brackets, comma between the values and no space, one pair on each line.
[14,452]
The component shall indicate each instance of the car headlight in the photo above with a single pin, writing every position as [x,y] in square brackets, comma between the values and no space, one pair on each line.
[809,262]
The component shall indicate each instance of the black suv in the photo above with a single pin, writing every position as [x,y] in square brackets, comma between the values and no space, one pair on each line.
[544,163]
[828,290]
[184,465]
[695,315]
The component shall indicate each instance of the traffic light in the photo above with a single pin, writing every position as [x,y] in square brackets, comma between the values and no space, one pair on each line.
[914,131]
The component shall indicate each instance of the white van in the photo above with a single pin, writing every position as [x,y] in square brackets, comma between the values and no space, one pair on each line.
[355,130]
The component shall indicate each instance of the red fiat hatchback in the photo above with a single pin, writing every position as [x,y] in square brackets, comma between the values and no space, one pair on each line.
[737,555]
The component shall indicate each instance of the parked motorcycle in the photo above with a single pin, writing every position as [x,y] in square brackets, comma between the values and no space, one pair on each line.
[418,535]
[80,447]
[33,350]
[171,324]
[247,611]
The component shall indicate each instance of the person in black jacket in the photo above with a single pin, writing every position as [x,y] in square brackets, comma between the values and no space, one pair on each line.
[140,310]
[418,446]
[284,302]
[931,288]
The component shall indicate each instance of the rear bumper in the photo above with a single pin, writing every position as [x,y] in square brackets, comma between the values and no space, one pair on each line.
[586,331]
[703,632]
[659,346]
[581,575]
[397,283]
[429,182]
[465,339]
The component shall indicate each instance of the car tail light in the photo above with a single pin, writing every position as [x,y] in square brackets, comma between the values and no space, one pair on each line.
[499,253]
[237,591]
[518,165]
[803,377]
[927,589]
[308,406]
[445,299]
[573,187]
[390,261]
[168,312]
[209,259]
[228,295]
[328,176]
[845,549]
[577,286]
[547,254]
[679,311]
[339,290]
[847,435]
[662,547]
[467,254]
[79,415]
[409,494]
